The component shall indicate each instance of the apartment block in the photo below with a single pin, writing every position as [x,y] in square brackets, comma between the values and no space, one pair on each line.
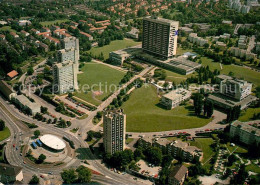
[114,125]
[235,88]
[246,132]
[175,97]
[160,36]
[64,77]
[193,37]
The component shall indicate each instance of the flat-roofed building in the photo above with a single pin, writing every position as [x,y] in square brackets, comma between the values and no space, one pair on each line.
[247,132]
[64,77]
[177,175]
[133,33]
[160,36]
[114,130]
[185,151]
[24,102]
[118,57]
[235,88]
[175,98]
[10,173]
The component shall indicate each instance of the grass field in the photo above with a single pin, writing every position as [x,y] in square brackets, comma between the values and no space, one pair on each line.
[113,46]
[95,74]
[4,134]
[49,23]
[144,114]
[204,145]
[247,114]
[175,77]
[239,72]
[7,28]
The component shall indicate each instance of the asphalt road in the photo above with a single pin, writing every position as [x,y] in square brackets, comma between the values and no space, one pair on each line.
[14,157]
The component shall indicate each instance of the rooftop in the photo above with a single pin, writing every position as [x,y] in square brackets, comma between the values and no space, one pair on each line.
[53,142]
[248,126]
[178,93]
[178,172]
[12,74]
[160,20]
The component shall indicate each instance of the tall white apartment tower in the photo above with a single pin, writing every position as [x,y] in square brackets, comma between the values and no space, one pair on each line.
[64,77]
[69,51]
[160,36]
[114,125]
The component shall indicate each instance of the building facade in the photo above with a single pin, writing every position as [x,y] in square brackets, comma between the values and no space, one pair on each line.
[246,132]
[160,36]
[64,77]
[114,125]
[175,97]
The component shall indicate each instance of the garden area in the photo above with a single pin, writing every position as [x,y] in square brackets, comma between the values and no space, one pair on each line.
[49,23]
[93,75]
[145,114]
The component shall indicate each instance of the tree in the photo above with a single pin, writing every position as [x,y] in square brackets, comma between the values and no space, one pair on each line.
[69,176]
[84,174]
[30,70]
[70,95]
[198,103]
[154,155]
[41,159]
[2,125]
[44,110]
[37,133]
[34,180]
[208,109]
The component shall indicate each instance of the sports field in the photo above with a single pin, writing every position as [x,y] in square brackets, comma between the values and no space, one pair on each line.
[144,113]
[100,78]
[4,134]
[49,23]
[113,46]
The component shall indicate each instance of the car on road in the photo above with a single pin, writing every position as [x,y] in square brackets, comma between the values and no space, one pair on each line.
[13,145]
[51,173]
[41,176]
[16,148]
[24,162]
[21,154]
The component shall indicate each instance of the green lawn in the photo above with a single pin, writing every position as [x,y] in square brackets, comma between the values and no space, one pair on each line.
[93,75]
[4,134]
[253,168]
[239,72]
[175,77]
[144,114]
[204,145]
[7,28]
[113,46]
[247,114]
[49,23]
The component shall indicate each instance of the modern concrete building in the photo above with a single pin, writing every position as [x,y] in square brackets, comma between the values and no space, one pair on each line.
[114,125]
[70,50]
[118,57]
[246,132]
[133,33]
[235,88]
[175,97]
[232,92]
[193,37]
[64,77]
[185,151]
[10,174]
[177,175]
[160,36]
[24,102]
